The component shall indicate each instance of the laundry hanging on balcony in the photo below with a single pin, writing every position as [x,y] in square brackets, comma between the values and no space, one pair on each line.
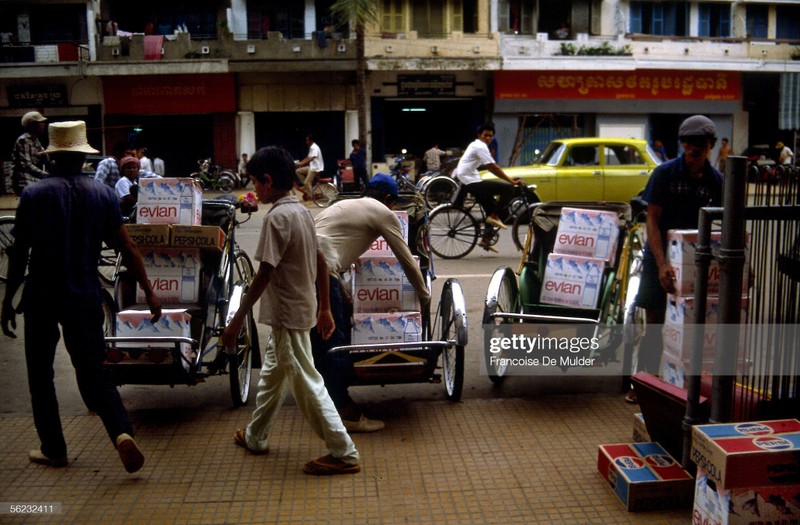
[789,107]
[152,46]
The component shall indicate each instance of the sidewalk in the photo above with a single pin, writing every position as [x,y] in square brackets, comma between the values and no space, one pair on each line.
[480,461]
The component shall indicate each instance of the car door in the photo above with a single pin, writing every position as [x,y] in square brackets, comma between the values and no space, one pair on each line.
[580,176]
[625,172]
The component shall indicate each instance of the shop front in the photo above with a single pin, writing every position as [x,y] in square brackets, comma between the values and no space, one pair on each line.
[180,118]
[534,107]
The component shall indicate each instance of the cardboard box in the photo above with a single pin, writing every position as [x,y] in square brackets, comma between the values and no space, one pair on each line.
[681,248]
[753,454]
[173,323]
[394,327]
[173,274]
[588,233]
[640,434]
[207,237]
[152,235]
[379,285]
[169,201]
[573,281]
[775,504]
[644,476]
[379,247]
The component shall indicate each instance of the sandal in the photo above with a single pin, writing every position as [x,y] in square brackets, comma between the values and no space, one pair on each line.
[329,466]
[239,439]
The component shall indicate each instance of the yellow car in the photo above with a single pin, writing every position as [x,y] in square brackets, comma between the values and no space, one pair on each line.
[588,169]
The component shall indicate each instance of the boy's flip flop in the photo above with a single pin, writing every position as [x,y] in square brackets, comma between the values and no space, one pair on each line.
[329,466]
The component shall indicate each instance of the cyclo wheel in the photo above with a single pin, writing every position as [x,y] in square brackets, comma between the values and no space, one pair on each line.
[240,364]
[501,296]
[226,182]
[453,232]
[453,325]
[323,194]
[109,314]
[6,241]
[107,266]
[439,190]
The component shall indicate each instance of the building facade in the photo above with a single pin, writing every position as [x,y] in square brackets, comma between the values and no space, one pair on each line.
[216,78]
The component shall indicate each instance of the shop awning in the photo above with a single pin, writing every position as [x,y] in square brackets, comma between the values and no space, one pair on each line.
[789,108]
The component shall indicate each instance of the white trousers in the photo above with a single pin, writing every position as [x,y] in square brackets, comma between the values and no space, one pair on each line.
[290,364]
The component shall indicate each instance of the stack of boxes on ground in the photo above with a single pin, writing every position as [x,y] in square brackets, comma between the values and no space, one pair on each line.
[385,306]
[681,248]
[585,244]
[747,473]
[170,238]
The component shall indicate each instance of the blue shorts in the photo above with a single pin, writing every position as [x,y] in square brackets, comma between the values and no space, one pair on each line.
[652,295]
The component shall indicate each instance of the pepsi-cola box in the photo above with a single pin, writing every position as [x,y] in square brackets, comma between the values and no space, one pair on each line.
[751,454]
[644,476]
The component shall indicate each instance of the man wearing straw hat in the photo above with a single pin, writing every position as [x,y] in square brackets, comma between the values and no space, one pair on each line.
[61,223]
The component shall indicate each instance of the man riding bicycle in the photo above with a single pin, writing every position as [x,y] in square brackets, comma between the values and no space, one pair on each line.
[484,191]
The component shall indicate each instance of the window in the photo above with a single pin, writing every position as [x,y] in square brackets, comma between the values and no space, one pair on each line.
[515,17]
[285,19]
[664,18]
[392,16]
[623,155]
[428,19]
[465,16]
[582,156]
[715,20]
[757,20]
[788,26]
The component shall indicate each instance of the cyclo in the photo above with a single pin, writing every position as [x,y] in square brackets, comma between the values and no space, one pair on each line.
[443,334]
[522,301]
[224,277]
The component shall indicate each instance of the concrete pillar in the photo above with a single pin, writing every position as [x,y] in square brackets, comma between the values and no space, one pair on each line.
[245,133]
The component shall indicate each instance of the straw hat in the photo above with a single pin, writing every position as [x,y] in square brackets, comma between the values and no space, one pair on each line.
[69,136]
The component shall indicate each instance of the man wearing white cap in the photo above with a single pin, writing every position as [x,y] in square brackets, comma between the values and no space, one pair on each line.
[61,223]
[29,164]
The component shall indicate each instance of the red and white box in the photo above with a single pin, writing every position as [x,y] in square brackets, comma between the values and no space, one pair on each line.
[379,247]
[173,323]
[397,327]
[644,476]
[169,200]
[744,506]
[588,233]
[174,275]
[573,281]
[752,454]
[380,285]
[681,249]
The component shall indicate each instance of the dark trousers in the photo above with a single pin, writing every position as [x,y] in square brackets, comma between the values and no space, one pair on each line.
[83,338]
[335,369]
[360,176]
[485,192]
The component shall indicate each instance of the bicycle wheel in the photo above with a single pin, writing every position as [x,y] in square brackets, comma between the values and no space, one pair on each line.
[324,194]
[107,266]
[6,241]
[453,232]
[501,296]
[241,362]
[452,317]
[109,314]
[226,182]
[439,190]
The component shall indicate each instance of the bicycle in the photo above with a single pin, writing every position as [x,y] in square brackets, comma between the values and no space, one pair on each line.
[455,230]
[215,177]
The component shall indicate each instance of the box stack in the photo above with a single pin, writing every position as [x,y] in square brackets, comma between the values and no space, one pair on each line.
[170,239]
[681,248]
[747,473]
[586,242]
[385,305]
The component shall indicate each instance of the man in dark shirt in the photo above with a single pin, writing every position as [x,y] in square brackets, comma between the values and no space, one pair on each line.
[358,158]
[60,225]
[676,191]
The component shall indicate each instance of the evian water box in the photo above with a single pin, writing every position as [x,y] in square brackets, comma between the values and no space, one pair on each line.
[573,281]
[681,249]
[173,323]
[173,274]
[379,247]
[380,285]
[169,201]
[394,327]
[588,233]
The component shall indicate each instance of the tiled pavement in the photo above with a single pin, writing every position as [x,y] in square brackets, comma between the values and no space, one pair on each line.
[479,461]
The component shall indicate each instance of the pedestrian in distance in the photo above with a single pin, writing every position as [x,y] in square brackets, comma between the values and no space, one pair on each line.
[61,224]
[785,155]
[291,264]
[358,159]
[126,187]
[675,192]
[30,165]
[244,177]
[309,168]
[346,230]
[724,152]
[108,168]
[484,191]
[433,158]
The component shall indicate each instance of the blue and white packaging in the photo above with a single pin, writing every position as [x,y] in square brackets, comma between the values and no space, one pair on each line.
[572,281]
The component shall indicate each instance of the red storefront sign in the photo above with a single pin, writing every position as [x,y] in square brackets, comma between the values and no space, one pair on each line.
[618,85]
[169,94]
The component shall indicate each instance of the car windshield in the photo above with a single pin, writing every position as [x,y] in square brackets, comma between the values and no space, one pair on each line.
[552,154]
[653,155]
